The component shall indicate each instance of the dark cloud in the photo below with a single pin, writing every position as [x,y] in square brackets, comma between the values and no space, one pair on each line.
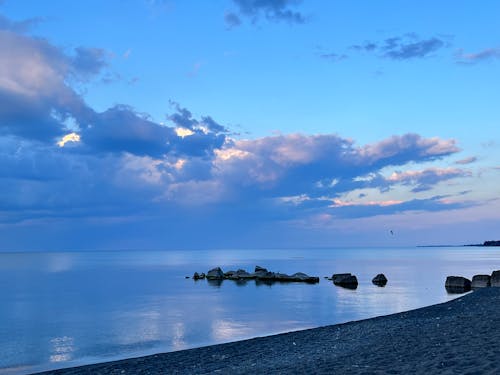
[120,129]
[405,47]
[232,19]
[481,56]
[89,61]
[273,10]
[398,49]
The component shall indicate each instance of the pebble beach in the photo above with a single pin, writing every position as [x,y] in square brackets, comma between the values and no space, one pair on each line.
[456,337]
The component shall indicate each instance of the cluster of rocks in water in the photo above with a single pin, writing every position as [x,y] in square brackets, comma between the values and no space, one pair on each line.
[261,274]
[460,284]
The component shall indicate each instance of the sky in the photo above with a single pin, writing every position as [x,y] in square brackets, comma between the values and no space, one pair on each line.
[169,124]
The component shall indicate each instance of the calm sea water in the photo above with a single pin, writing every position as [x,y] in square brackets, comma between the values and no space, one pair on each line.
[61,309]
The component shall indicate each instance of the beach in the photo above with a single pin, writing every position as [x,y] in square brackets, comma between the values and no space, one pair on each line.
[456,337]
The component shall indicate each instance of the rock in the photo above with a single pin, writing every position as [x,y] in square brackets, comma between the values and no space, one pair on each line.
[481,281]
[380,280]
[242,274]
[215,274]
[457,284]
[187,277]
[265,275]
[299,276]
[230,275]
[495,278]
[345,280]
[198,276]
[259,269]
[339,276]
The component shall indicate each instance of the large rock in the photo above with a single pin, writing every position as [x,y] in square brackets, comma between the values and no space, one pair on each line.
[495,278]
[457,284]
[345,280]
[336,277]
[481,281]
[296,277]
[380,280]
[215,274]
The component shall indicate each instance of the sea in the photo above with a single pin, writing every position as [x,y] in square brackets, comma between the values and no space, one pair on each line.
[65,309]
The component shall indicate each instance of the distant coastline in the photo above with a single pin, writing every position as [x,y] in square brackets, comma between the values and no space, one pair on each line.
[491,243]
[487,243]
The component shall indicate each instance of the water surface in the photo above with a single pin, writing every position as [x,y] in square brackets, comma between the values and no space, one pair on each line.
[61,309]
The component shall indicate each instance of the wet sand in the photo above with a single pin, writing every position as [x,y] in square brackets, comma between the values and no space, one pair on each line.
[461,336]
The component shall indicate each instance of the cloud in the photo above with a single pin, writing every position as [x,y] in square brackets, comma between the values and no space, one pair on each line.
[400,49]
[34,89]
[65,165]
[273,10]
[432,204]
[88,62]
[472,58]
[18,26]
[333,56]
[468,160]
[405,47]
[232,20]
[426,179]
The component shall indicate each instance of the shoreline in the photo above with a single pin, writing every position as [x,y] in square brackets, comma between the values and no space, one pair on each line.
[457,336]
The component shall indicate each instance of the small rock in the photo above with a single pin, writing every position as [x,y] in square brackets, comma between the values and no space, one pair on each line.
[187,277]
[457,284]
[481,281]
[215,274]
[380,280]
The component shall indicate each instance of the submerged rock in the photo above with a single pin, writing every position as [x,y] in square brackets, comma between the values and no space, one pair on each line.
[215,274]
[481,281]
[380,280]
[345,280]
[495,278]
[457,284]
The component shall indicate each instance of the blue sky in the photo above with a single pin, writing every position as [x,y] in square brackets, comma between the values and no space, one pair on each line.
[248,123]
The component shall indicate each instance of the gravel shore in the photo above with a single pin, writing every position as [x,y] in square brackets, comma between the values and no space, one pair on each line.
[457,337]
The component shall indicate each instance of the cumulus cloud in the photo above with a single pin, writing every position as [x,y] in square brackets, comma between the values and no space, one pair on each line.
[273,10]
